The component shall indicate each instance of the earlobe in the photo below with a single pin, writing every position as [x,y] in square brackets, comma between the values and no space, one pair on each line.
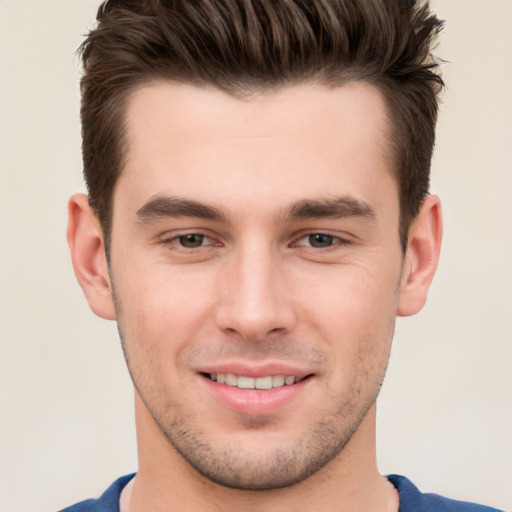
[422,256]
[86,242]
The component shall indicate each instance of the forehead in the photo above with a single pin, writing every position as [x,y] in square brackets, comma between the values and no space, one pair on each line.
[275,146]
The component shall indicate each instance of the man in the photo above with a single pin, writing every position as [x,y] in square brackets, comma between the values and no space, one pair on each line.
[257,216]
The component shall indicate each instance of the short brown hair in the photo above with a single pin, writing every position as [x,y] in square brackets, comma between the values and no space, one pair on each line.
[242,46]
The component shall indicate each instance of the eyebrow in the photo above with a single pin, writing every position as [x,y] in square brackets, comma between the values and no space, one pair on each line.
[163,207]
[175,207]
[337,208]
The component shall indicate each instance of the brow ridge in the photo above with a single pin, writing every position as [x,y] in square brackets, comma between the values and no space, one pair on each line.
[163,207]
[336,208]
[176,207]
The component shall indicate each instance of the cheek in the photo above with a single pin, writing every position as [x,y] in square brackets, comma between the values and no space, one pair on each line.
[361,295]
[163,295]
[159,311]
[354,313]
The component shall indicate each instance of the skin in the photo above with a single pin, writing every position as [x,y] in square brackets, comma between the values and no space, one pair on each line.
[292,264]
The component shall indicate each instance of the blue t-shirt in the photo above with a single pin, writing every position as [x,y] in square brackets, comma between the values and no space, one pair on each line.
[411,499]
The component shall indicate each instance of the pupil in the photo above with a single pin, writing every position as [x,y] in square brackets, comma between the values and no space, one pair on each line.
[320,240]
[191,240]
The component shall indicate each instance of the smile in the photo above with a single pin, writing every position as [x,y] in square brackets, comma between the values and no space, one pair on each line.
[243,382]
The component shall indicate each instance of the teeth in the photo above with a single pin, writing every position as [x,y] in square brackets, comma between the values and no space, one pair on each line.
[243,382]
[263,383]
[278,381]
[231,380]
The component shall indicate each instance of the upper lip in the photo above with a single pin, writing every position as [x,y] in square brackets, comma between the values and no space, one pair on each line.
[255,370]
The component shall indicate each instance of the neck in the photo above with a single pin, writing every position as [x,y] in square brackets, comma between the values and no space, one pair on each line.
[166,482]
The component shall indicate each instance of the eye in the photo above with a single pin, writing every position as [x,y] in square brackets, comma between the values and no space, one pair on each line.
[193,240]
[320,240]
[187,246]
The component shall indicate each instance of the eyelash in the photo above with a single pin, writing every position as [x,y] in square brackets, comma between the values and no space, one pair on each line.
[176,240]
[336,241]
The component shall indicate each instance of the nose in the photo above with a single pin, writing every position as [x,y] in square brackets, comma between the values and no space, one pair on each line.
[255,301]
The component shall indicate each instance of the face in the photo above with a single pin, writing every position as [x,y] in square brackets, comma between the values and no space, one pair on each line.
[256,267]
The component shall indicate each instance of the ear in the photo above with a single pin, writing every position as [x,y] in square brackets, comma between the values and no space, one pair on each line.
[422,256]
[86,242]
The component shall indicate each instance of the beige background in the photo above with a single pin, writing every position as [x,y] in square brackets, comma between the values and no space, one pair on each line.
[66,426]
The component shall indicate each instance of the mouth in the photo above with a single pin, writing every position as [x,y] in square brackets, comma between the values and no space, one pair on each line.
[256,391]
[261,383]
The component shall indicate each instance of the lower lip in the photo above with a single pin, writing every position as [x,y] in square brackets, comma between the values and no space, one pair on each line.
[255,402]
